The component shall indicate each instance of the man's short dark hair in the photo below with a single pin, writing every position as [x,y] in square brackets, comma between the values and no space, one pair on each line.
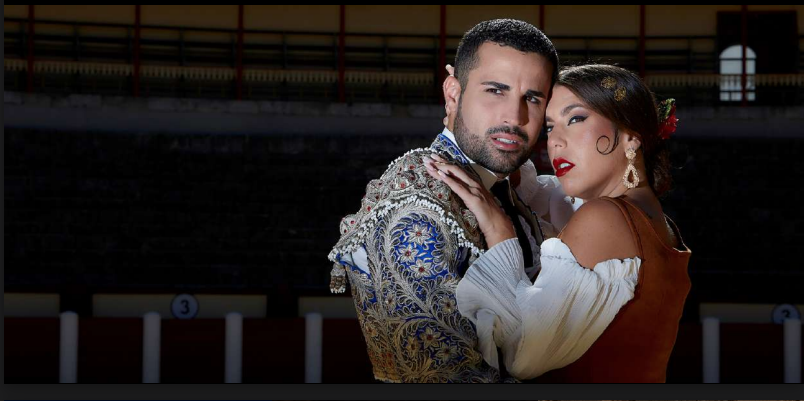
[516,34]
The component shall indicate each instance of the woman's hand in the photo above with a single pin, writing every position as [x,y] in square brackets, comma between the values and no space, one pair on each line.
[494,223]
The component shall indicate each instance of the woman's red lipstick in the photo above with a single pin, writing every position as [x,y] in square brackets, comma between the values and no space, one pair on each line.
[560,171]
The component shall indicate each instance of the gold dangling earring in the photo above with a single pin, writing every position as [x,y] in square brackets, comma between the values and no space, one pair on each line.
[631,155]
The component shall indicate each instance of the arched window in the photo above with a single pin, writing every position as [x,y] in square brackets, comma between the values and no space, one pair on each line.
[731,69]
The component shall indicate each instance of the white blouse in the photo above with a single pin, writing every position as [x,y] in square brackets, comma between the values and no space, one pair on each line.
[551,322]
[545,197]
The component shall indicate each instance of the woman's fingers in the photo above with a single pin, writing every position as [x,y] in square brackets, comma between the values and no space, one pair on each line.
[434,166]
[456,171]
[492,220]
[430,166]
[457,186]
[473,197]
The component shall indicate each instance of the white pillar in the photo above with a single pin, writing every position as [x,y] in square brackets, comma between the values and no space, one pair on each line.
[151,346]
[313,355]
[711,350]
[792,351]
[68,347]
[234,348]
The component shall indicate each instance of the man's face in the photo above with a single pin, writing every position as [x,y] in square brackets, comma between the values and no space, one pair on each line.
[501,110]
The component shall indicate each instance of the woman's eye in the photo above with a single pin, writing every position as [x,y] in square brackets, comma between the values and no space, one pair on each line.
[576,119]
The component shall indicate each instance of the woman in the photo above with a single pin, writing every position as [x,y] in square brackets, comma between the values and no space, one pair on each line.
[606,304]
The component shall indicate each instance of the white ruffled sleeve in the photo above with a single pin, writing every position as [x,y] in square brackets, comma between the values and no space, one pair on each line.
[546,198]
[547,324]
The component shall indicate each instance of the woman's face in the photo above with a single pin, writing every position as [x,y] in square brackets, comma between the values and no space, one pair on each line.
[579,143]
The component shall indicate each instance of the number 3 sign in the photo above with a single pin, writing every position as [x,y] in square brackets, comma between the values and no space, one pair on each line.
[184,306]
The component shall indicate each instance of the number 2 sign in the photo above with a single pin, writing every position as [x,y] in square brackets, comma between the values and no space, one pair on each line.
[785,311]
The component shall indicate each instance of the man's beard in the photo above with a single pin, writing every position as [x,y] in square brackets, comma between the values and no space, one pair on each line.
[482,151]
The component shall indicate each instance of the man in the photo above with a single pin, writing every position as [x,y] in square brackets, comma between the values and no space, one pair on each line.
[406,249]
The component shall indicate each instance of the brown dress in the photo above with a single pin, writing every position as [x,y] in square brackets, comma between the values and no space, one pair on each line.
[636,346]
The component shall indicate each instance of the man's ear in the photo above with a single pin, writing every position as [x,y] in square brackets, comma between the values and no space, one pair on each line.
[452,95]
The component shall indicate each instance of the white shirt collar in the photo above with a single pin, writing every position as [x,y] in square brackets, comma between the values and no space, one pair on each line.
[487,177]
